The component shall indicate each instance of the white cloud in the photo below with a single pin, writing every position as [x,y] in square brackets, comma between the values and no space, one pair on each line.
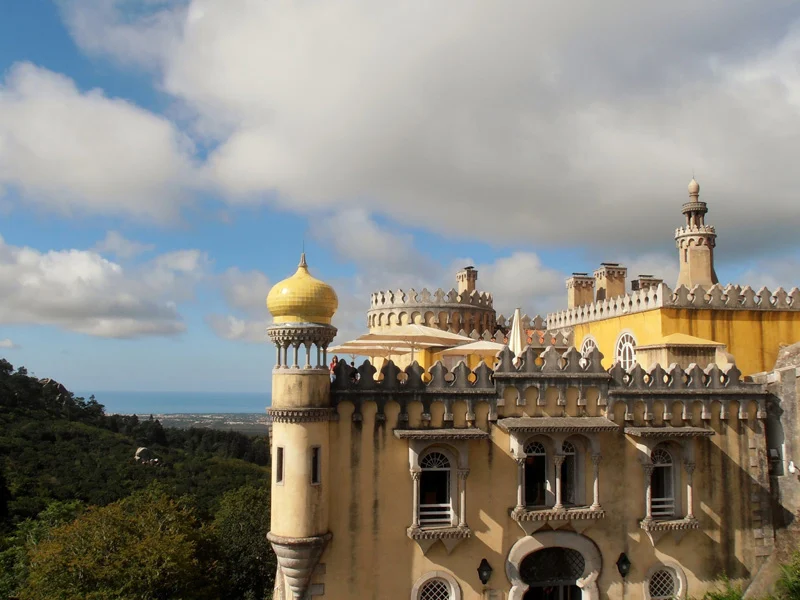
[79,290]
[75,152]
[245,293]
[115,243]
[8,344]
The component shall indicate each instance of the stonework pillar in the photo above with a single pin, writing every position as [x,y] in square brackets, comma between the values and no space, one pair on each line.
[648,492]
[520,483]
[296,353]
[558,460]
[462,500]
[596,458]
[415,476]
[689,468]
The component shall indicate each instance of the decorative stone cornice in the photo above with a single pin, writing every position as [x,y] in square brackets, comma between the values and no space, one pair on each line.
[468,433]
[428,536]
[557,425]
[656,529]
[298,334]
[579,518]
[298,557]
[668,432]
[301,415]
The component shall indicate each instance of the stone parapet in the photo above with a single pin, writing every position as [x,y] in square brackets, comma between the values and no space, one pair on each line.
[449,311]
[732,297]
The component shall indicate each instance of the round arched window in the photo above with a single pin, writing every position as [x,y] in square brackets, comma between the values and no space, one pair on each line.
[662,585]
[626,351]
[588,345]
[435,589]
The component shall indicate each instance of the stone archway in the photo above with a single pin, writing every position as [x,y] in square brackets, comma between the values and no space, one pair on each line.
[555,539]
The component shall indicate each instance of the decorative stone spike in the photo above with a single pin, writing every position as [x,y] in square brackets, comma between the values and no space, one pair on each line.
[618,374]
[298,557]
[595,361]
[414,372]
[658,377]
[572,359]
[637,374]
[438,373]
[716,296]
[551,358]
[483,376]
[366,376]
[506,361]
[732,296]
[764,298]
[676,377]
[715,378]
[749,298]
[781,298]
[680,296]
[794,296]
[529,361]
[390,373]
[696,377]
[732,375]
[461,376]
[697,296]
[342,380]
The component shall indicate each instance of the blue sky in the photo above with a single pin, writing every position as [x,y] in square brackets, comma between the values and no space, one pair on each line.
[162,162]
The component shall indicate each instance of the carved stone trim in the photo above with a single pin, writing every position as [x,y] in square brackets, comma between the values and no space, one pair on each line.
[557,424]
[668,432]
[428,536]
[298,557]
[655,530]
[579,518]
[301,415]
[469,433]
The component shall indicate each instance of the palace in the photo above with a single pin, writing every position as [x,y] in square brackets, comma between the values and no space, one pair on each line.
[556,474]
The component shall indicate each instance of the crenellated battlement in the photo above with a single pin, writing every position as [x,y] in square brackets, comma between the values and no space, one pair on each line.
[731,297]
[425,298]
[551,373]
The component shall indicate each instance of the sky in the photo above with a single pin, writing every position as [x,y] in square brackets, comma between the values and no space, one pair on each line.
[163,162]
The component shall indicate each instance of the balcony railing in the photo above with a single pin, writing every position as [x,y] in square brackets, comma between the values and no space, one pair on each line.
[435,514]
[662,508]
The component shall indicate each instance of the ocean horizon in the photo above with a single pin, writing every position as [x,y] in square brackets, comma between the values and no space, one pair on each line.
[162,403]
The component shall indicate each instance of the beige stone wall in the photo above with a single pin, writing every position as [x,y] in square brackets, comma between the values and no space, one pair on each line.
[370,555]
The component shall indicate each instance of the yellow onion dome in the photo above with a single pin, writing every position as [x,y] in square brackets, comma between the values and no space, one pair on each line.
[302,299]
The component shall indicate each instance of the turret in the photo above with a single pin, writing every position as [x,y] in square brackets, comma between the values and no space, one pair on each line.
[695,242]
[466,279]
[301,411]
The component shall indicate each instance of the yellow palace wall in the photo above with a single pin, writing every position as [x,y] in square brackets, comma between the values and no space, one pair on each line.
[752,336]
[370,555]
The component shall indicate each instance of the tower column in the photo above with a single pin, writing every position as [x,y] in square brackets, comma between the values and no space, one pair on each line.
[695,242]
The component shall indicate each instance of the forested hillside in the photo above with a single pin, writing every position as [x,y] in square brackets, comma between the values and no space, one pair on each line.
[80,518]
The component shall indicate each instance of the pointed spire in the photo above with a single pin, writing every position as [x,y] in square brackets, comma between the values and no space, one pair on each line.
[303,264]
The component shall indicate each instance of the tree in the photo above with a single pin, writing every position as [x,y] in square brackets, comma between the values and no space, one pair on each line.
[144,547]
[247,563]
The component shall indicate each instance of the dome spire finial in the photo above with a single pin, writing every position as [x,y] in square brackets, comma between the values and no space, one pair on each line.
[303,264]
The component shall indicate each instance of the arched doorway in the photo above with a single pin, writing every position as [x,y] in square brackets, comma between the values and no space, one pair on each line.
[554,565]
[552,574]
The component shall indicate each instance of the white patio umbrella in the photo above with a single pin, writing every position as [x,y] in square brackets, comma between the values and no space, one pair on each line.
[371,351]
[416,336]
[517,339]
[480,348]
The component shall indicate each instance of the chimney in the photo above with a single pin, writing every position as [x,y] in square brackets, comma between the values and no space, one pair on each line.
[580,290]
[645,282]
[610,281]
[466,279]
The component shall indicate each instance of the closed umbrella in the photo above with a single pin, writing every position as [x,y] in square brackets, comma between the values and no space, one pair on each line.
[516,337]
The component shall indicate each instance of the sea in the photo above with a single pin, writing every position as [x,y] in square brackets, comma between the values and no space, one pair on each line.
[129,403]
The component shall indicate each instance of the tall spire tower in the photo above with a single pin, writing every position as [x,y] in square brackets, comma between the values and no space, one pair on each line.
[695,242]
[301,411]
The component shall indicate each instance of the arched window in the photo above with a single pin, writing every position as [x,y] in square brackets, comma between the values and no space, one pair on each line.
[435,589]
[662,484]
[535,474]
[663,585]
[589,344]
[435,499]
[569,474]
[436,585]
[626,351]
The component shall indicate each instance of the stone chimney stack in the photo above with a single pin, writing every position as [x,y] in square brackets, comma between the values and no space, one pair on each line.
[580,290]
[645,282]
[466,279]
[610,281]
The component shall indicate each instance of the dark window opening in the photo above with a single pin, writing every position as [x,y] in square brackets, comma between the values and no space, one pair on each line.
[535,480]
[279,465]
[315,466]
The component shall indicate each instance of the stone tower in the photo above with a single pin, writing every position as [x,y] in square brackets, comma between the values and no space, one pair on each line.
[467,278]
[301,412]
[695,242]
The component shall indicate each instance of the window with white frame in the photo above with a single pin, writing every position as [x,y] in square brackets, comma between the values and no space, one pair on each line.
[535,474]
[625,353]
[435,494]
[663,584]
[589,344]
[662,484]
[435,589]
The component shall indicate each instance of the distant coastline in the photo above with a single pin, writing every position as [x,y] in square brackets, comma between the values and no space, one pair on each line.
[180,403]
